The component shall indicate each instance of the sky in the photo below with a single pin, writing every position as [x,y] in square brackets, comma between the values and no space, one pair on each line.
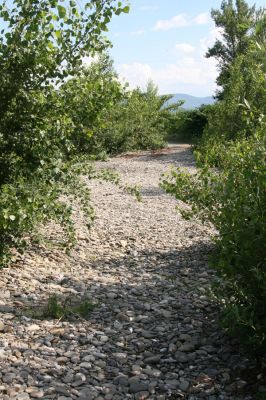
[165,41]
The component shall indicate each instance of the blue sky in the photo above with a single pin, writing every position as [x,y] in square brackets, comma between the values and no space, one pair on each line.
[165,40]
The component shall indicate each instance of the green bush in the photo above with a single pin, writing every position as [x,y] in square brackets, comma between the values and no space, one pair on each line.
[109,118]
[188,125]
[42,42]
[229,189]
[139,121]
[234,200]
[89,99]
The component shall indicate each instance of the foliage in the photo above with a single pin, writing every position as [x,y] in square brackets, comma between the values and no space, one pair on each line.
[235,22]
[88,100]
[229,190]
[243,107]
[109,118]
[188,125]
[34,198]
[66,308]
[139,121]
[234,200]
[42,42]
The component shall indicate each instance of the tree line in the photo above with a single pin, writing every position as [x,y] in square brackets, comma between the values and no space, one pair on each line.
[229,188]
[56,113]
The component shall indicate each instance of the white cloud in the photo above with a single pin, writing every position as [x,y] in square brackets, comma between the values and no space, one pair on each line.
[180,21]
[202,19]
[190,72]
[138,32]
[208,41]
[188,75]
[184,48]
[175,22]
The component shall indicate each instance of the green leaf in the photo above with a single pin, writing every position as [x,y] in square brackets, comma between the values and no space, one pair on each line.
[126,9]
[61,11]
[58,34]
[247,104]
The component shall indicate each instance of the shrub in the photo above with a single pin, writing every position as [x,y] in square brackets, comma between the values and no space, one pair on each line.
[229,188]
[42,42]
[139,121]
[234,200]
[188,125]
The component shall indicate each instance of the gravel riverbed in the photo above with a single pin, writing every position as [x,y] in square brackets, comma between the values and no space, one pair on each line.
[153,332]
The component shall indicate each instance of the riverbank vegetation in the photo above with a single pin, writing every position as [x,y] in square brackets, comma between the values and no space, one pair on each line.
[56,113]
[229,187]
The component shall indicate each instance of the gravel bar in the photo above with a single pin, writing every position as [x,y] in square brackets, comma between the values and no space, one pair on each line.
[153,331]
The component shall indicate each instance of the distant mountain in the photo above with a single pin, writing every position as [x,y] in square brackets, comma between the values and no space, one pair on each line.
[191,101]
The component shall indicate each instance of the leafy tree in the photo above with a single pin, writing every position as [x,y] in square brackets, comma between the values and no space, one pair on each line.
[233,196]
[139,121]
[42,42]
[88,99]
[236,21]
[188,125]
[242,108]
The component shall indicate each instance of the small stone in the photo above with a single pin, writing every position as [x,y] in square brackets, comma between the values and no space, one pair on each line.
[78,380]
[185,337]
[184,386]
[136,369]
[166,314]
[147,334]
[9,377]
[62,389]
[181,357]
[186,347]
[118,326]
[85,365]
[100,363]
[111,295]
[22,396]
[121,380]
[172,348]
[172,384]
[142,395]
[33,328]
[152,360]
[62,360]
[241,384]
[57,331]
[37,393]
[104,339]
[136,387]
[2,326]
[122,357]
[88,394]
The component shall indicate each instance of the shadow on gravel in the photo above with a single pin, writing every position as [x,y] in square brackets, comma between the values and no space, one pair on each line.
[183,158]
[156,306]
[151,191]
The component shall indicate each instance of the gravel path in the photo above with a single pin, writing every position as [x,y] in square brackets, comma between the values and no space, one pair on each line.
[153,332]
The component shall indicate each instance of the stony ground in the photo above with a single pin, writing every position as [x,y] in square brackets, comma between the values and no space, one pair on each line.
[152,333]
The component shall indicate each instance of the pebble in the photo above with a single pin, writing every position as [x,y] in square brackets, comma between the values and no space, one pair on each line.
[152,332]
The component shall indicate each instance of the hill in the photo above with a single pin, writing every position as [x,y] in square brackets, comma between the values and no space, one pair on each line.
[191,101]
